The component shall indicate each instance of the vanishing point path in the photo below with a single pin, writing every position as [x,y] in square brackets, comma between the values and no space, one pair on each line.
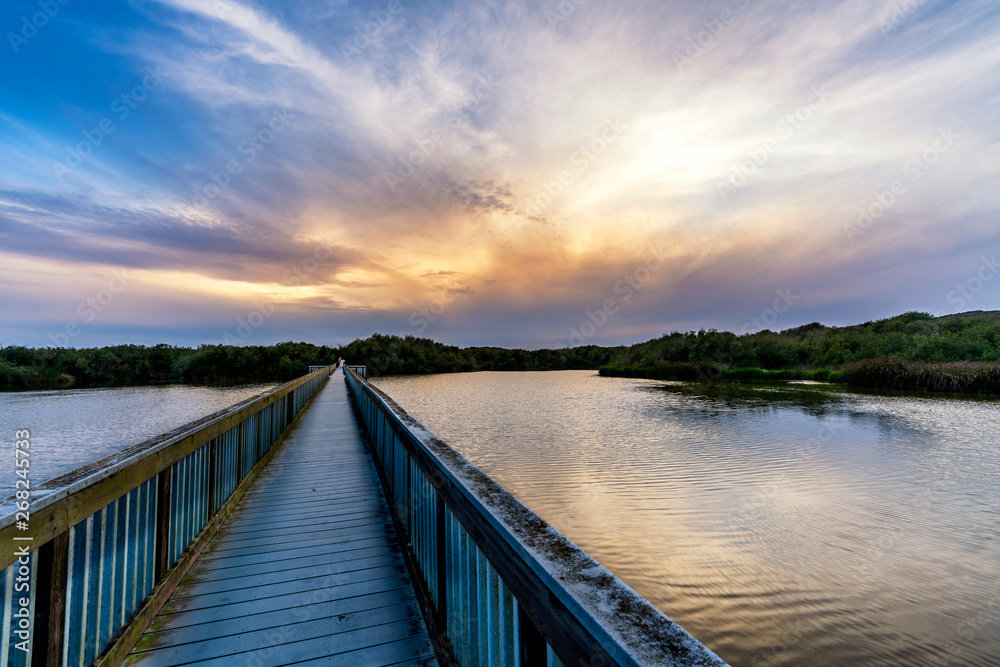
[306,571]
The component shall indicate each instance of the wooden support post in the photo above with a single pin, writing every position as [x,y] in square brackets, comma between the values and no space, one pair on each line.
[442,562]
[290,415]
[50,602]
[533,647]
[240,454]
[163,522]
[213,474]
[240,444]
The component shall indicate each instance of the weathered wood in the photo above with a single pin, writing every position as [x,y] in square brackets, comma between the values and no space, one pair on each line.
[60,505]
[441,544]
[282,587]
[239,451]
[240,436]
[436,622]
[126,639]
[50,603]
[502,535]
[558,627]
[533,653]
[162,545]
[213,455]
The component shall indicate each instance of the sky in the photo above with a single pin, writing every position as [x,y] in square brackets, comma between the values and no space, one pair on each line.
[533,174]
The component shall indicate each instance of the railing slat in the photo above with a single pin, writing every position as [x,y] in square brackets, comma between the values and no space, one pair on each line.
[494,571]
[106,537]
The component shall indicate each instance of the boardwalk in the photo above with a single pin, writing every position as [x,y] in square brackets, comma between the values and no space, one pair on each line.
[307,570]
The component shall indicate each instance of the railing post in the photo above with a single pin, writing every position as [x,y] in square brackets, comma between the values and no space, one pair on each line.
[213,453]
[290,407]
[163,522]
[240,435]
[442,560]
[50,602]
[533,646]
[240,448]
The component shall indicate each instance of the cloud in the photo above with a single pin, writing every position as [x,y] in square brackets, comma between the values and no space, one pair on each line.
[426,159]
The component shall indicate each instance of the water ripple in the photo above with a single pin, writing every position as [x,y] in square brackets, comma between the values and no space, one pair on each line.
[781,525]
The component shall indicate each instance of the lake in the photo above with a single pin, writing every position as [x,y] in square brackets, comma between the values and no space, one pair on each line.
[794,524]
[71,428]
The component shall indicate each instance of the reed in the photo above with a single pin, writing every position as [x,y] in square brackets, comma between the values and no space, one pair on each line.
[966,377]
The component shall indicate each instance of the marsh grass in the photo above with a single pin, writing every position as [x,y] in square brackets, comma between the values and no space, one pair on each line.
[967,377]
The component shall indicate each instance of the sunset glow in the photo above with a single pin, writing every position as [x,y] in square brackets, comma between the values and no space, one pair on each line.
[490,173]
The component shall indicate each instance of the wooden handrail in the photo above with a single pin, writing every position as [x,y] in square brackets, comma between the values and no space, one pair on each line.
[66,500]
[135,521]
[566,602]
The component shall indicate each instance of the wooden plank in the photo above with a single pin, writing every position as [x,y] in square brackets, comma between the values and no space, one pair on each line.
[274,539]
[123,642]
[340,542]
[224,627]
[360,646]
[337,509]
[265,557]
[426,661]
[305,498]
[339,482]
[300,585]
[296,626]
[267,586]
[362,507]
[279,603]
[403,651]
[297,570]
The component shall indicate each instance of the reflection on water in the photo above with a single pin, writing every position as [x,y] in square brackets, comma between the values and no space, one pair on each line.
[781,525]
[72,428]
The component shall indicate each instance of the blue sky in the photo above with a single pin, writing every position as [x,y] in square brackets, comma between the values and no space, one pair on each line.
[491,173]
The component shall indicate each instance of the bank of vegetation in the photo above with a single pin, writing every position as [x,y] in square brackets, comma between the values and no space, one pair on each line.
[395,355]
[125,365]
[914,351]
[128,365]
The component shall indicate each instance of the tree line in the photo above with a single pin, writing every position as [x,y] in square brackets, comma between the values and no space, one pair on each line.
[125,365]
[906,351]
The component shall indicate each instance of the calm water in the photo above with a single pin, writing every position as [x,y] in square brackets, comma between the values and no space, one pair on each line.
[792,525]
[75,427]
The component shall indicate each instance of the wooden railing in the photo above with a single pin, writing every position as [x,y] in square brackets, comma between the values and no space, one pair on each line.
[503,586]
[94,554]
